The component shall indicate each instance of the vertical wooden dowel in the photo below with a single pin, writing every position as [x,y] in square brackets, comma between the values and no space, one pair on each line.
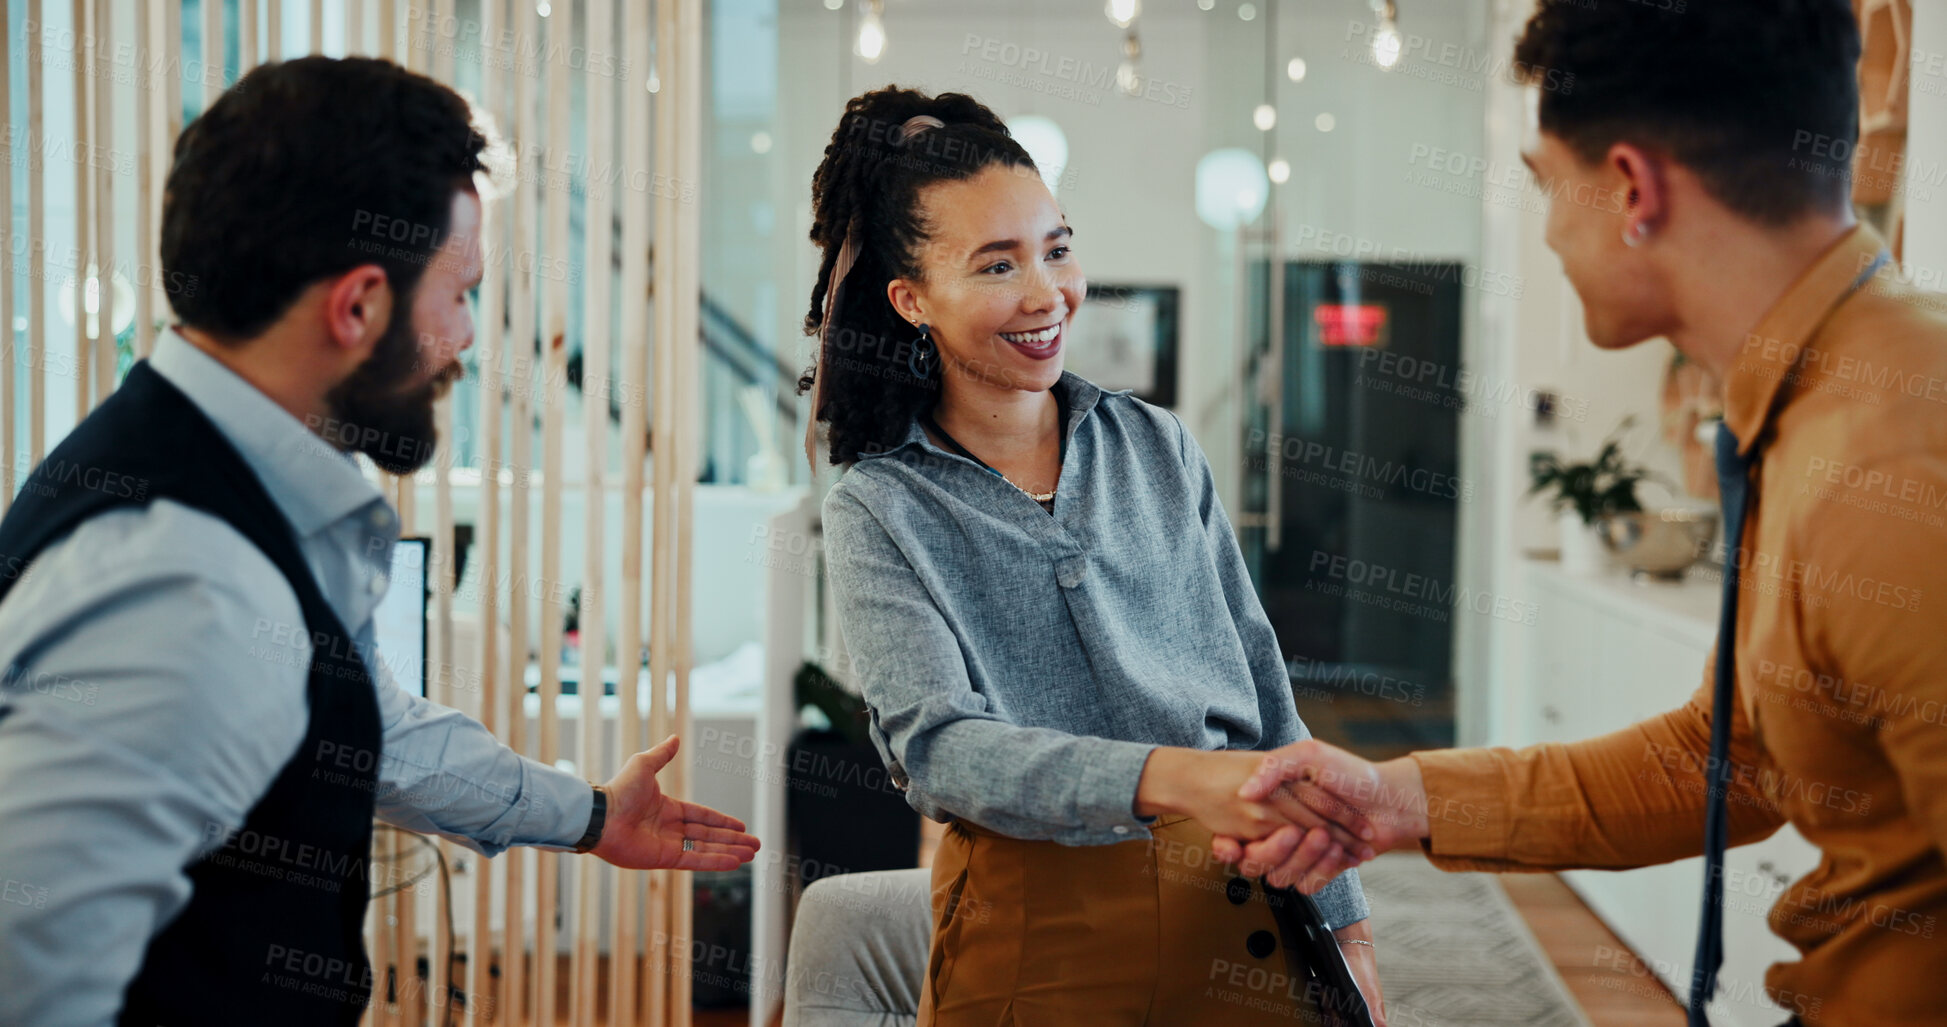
[167,45]
[9,402]
[84,242]
[147,256]
[36,255]
[634,310]
[597,28]
[354,27]
[443,503]
[491,332]
[170,55]
[247,36]
[688,257]
[387,45]
[554,320]
[523,360]
[317,26]
[440,654]
[441,49]
[214,69]
[662,454]
[107,355]
[274,31]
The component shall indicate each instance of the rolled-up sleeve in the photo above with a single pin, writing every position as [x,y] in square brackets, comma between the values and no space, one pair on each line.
[958,758]
[1343,901]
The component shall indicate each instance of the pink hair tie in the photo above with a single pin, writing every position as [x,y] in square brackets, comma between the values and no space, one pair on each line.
[916,124]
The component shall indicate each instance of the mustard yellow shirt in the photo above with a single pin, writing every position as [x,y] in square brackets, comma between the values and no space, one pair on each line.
[1841,716]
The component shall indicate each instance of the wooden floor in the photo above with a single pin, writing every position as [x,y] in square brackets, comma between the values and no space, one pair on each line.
[1579,945]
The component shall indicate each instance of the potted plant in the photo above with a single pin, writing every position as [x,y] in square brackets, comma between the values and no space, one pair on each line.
[1581,494]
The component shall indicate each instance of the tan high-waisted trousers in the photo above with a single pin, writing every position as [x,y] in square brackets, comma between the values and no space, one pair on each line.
[1151,931]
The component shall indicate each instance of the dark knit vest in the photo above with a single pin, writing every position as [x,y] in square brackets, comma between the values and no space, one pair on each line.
[272,932]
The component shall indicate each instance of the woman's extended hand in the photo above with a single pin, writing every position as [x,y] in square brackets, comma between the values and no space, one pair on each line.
[1207,785]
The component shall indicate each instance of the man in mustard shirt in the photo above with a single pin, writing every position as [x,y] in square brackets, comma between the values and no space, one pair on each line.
[1694,196]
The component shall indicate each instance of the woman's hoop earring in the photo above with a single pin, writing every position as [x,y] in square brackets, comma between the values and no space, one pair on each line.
[920,361]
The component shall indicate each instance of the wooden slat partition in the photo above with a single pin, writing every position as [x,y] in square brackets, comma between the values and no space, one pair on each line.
[636,970]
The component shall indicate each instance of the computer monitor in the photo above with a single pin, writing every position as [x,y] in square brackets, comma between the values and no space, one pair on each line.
[399,623]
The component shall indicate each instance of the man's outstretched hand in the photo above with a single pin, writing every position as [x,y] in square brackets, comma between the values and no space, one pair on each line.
[645,828]
[1383,805]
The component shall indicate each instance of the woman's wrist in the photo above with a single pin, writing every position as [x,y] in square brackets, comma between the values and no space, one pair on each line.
[1159,791]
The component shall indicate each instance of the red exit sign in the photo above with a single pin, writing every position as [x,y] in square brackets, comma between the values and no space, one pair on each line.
[1350,324]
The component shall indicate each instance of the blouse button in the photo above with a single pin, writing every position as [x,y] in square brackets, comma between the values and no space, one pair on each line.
[1260,944]
[1069,572]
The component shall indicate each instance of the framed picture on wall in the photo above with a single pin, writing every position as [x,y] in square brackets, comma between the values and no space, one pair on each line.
[1124,337]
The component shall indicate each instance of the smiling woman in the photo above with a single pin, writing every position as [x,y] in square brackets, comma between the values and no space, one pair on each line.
[1054,630]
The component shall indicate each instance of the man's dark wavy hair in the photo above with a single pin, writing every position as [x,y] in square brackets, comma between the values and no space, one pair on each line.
[1751,95]
[305,169]
[869,183]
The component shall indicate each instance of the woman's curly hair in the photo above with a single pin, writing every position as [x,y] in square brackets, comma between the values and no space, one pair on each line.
[869,183]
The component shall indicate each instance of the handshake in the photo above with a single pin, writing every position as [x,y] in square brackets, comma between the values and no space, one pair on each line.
[1297,816]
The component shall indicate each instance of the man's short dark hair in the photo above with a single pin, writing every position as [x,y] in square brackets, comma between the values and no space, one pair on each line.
[305,169]
[1751,95]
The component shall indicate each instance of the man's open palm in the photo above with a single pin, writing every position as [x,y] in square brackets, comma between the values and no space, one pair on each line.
[645,829]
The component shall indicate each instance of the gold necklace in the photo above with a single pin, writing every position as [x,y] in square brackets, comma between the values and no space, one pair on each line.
[1041,497]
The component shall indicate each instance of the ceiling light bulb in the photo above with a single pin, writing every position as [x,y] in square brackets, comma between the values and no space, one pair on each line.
[872,36]
[1122,12]
[1295,69]
[1280,171]
[1385,44]
[1325,122]
[1246,12]
[1265,117]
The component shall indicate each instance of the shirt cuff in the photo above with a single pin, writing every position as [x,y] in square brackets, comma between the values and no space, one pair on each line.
[1106,793]
[553,808]
[1467,809]
[1343,901]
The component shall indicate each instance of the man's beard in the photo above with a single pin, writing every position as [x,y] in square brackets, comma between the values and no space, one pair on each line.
[381,412]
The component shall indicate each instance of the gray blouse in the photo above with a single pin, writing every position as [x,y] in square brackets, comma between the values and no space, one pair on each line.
[1020,666]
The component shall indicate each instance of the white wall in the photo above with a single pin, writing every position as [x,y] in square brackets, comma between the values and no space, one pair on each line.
[1926,140]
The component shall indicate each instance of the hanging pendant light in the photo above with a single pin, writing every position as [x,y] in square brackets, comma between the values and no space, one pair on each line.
[1386,42]
[872,32]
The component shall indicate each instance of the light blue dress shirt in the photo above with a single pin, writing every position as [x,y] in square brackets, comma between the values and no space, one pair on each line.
[152,686]
[1020,667]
